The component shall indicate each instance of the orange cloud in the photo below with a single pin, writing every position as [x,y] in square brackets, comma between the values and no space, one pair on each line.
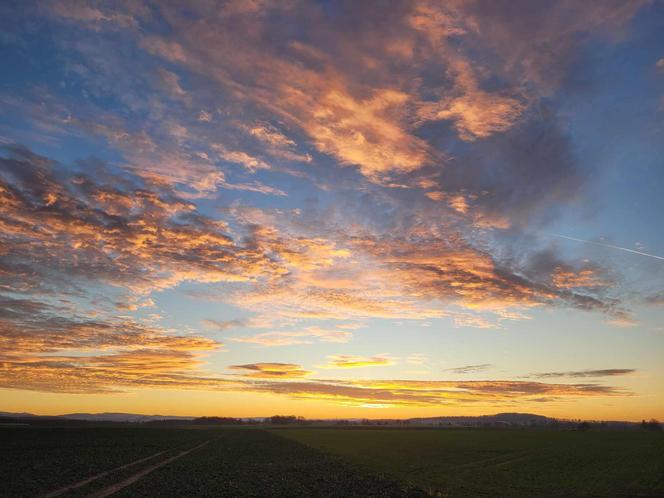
[143,237]
[276,143]
[119,372]
[272,370]
[235,156]
[132,238]
[475,112]
[105,374]
[570,279]
[391,393]
[353,361]
[361,133]
[414,276]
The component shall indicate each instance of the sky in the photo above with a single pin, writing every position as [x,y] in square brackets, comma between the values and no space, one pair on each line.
[332,208]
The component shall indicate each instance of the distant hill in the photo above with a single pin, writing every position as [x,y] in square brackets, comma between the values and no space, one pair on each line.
[99,417]
[121,417]
[16,415]
[497,420]
[510,419]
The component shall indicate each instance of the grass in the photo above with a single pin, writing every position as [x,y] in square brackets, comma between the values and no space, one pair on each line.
[506,463]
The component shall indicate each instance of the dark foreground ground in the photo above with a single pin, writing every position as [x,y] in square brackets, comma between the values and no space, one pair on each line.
[301,462]
[230,463]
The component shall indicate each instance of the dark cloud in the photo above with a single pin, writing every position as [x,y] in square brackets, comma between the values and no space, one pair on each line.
[470,368]
[523,175]
[609,372]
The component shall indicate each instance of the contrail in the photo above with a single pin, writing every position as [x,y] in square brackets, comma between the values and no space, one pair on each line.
[611,246]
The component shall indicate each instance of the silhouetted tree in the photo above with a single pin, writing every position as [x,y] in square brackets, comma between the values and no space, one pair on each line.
[584,426]
[283,419]
[651,425]
[216,421]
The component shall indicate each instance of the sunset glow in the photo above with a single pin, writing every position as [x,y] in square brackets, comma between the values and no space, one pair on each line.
[332,209]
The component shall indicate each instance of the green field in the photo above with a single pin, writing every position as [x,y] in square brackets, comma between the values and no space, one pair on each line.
[485,462]
[328,462]
[233,463]
[36,460]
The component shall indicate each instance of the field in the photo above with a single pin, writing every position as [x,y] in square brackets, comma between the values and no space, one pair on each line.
[327,462]
[523,463]
[231,463]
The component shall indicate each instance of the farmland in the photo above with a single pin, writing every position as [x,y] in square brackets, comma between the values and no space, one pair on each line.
[518,462]
[225,462]
[136,460]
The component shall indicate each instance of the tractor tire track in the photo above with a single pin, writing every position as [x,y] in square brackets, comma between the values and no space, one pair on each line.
[80,484]
[114,488]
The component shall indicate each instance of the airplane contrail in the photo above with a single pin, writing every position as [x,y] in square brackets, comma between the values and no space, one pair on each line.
[611,246]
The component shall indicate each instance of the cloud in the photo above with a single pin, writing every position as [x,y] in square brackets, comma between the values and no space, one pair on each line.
[389,393]
[365,100]
[432,272]
[116,373]
[272,370]
[569,279]
[172,83]
[122,231]
[354,361]
[76,10]
[416,359]
[292,337]
[656,299]
[409,151]
[470,368]
[622,320]
[475,112]
[112,354]
[28,326]
[105,374]
[275,142]
[313,86]
[250,162]
[130,233]
[358,132]
[609,372]
[225,324]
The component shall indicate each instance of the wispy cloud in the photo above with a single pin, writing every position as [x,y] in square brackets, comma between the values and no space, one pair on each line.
[436,393]
[115,374]
[289,338]
[609,372]
[354,361]
[225,324]
[466,369]
[271,370]
[417,359]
